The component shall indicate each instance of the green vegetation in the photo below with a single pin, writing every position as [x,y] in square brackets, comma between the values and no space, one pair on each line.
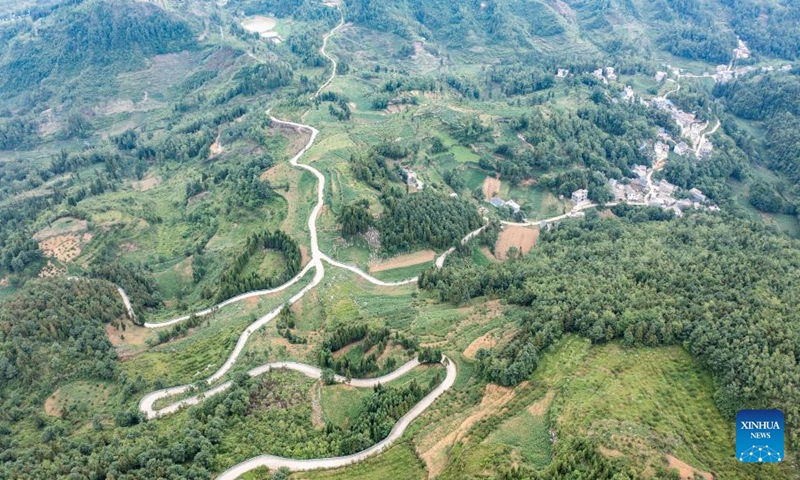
[571,284]
[135,152]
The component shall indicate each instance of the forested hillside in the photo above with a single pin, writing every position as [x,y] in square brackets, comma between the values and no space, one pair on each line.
[609,334]
[100,34]
[699,281]
[51,332]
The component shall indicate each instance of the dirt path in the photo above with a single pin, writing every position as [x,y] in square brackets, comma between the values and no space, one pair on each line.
[401,261]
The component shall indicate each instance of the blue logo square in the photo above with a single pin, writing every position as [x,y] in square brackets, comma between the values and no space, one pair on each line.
[759,436]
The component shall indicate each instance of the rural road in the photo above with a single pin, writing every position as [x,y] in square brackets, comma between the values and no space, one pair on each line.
[146,404]
[273,462]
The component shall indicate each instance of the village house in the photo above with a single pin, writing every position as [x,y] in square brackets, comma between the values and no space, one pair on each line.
[706,148]
[562,73]
[514,206]
[682,149]
[412,179]
[698,195]
[627,93]
[497,202]
[666,189]
[579,196]
[660,76]
[610,73]
[639,170]
[632,195]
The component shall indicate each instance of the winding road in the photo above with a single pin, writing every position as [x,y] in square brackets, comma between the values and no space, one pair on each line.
[146,405]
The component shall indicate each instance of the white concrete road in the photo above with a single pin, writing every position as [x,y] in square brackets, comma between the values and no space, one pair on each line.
[146,405]
[275,462]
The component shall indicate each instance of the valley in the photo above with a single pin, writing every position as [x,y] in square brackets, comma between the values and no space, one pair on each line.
[301,239]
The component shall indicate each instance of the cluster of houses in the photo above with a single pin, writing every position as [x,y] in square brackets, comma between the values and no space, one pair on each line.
[605,74]
[691,128]
[500,203]
[639,191]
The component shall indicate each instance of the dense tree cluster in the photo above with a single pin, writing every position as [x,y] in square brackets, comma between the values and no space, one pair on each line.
[52,330]
[372,169]
[783,144]
[700,281]
[762,96]
[606,139]
[519,79]
[231,282]
[769,29]
[138,283]
[17,133]
[370,339]
[119,34]
[699,43]
[258,79]
[355,218]
[424,219]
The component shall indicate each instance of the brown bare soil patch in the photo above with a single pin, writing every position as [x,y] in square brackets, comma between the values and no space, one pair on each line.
[528,182]
[491,187]
[488,254]
[397,107]
[523,238]
[686,471]
[61,226]
[128,338]
[147,183]
[216,147]
[607,213]
[195,198]
[435,456]
[51,270]
[51,404]
[540,408]
[401,261]
[65,248]
[129,247]
[343,351]
[259,24]
[297,138]
[489,340]
[5,281]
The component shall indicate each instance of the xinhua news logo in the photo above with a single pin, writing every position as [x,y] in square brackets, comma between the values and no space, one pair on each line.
[759,436]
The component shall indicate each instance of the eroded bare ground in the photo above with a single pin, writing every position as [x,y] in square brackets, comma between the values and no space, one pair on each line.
[686,471]
[433,447]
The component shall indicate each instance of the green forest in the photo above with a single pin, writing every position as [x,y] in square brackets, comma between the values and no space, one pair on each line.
[700,282]
[144,156]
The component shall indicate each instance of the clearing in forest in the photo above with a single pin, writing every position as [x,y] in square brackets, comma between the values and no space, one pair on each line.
[491,187]
[264,26]
[65,248]
[62,226]
[149,182]
[522,238]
